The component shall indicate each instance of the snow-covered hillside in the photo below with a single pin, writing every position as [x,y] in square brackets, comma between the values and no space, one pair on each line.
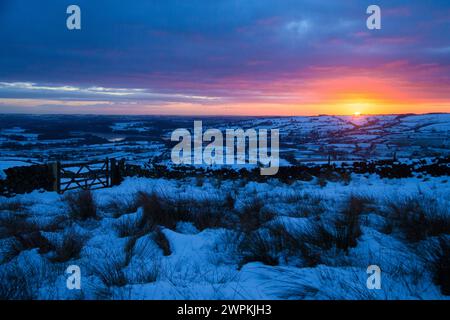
[138,140]
[234,239]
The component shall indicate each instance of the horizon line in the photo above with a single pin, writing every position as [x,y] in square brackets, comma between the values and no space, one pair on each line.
[221,115]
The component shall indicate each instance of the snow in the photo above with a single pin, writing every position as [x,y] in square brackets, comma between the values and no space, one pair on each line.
[203,263]
[304,139]
[129,126]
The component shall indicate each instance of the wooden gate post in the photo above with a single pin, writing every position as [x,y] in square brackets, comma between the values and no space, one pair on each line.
[56,171]
[108,173]
[115,172]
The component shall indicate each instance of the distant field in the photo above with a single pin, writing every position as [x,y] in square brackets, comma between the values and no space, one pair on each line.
[140,139]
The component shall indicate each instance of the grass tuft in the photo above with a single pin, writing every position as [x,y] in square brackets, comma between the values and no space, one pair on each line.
[253,215]
[81,205]
[419,217]
[70,246]
[440,264]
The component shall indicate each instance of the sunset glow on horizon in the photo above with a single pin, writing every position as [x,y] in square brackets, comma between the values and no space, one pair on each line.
[263,59]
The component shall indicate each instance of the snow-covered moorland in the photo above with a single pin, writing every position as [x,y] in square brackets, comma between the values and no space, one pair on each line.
[230,239]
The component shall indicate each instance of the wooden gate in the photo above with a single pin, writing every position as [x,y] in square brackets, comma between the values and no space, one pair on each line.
[86,175]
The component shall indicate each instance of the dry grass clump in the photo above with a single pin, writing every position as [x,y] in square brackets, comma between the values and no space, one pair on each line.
[110,271]
[419,217]
[254,215]
[261,246]
[12,206]
[14,284]
[120,206]
[306,204]
[211,213]
[156,211]
[268,243]
[348,224]
[160,210]
[70,247]
[162,242]
[26,241]
[439,259]
[127,226]
[81,205]
[13,224]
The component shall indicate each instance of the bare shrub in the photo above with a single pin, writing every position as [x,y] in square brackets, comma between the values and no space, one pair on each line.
[25,235]
[110,271]
[70,246]
[440,264]
[359,204]
[146,266]
[13,206]
[10,250]
[120,206]
[199,181]
[167,212]
[22,279]
[13,224]
[155,212]
[322,181]
[206,212]
[419,217]
[346,177]
[129,249]
[306,204]
[348,224]
[310,242]
[313,241]
[264,245]
[162,242]
[81,205]
[210,213]
[259,246]
[156,235]
[27,241]
[293,197]
[14,285]
[253,215]
[206,218]
[56,224]
[127,227]
[229,201]
[267,245]
[227,245]
[387,227]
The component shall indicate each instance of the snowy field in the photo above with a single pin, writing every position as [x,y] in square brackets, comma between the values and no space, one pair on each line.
[236,239]
[144,139]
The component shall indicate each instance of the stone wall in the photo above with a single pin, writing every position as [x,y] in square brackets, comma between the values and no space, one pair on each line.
[26,179]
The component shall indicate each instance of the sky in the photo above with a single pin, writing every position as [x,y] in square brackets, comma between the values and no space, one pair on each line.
[225,57]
